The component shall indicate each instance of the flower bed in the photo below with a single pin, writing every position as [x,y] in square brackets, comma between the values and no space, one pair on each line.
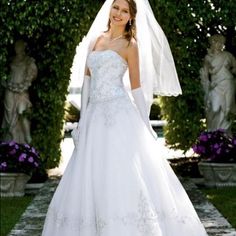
[216,146]
[20,158]
[17,163]
[217,154]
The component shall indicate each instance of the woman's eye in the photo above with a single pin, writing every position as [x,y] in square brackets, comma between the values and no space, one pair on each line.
[117,8]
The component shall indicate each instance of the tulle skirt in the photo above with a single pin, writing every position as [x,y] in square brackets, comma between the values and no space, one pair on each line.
[118,182]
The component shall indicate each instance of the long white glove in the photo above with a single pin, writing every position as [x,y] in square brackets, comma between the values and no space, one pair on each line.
[141,105]
[85,95]
[83,107]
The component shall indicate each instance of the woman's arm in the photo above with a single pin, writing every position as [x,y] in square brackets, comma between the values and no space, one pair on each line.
[133,65]
[136,89]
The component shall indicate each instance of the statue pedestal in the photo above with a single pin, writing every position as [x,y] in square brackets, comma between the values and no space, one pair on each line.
[13,184]
[218,174]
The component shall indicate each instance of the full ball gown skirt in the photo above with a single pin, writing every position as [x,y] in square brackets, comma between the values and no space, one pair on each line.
[117,183]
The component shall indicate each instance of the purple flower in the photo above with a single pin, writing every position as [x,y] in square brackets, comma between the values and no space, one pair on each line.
[33,150]
[218,151]
[22,157]
[203,137]
[4,164]
[12,143]
[216,146]
[202,149]
[26,145]
[195,148]
[18,157]
[12,152]
[209,135]
[31,160]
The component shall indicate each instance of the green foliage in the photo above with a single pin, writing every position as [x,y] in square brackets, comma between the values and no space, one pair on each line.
[187,25]
[71,113]
[52,29]
[155,113]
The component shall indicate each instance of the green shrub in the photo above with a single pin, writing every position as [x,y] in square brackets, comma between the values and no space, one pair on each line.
[52,29]
[187,25]
[155,113]
[71,113]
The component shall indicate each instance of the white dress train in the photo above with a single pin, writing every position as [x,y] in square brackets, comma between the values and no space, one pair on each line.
[117,183]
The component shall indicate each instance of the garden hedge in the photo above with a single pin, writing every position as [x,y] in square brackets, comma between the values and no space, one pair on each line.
[52,29]
[188,24]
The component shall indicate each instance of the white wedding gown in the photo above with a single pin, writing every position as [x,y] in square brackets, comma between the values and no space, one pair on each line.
[117,183]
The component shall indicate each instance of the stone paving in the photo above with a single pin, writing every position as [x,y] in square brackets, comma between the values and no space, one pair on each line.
[214,222]
[31,222]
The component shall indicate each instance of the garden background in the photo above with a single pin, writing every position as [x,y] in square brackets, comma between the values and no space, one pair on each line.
[52,29]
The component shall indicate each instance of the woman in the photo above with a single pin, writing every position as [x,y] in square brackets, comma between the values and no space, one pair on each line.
[117,183]
[219,86]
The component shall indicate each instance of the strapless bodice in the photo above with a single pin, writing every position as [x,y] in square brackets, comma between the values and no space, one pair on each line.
[107,69]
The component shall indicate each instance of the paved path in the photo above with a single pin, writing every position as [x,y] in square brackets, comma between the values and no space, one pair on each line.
[31,222]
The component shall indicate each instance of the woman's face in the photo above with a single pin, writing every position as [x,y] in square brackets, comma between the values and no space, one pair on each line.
[120,13]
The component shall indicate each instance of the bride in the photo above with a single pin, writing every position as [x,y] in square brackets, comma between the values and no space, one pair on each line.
[117,183]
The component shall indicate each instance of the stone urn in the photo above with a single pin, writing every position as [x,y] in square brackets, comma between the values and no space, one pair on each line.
[13,184]
[218,174]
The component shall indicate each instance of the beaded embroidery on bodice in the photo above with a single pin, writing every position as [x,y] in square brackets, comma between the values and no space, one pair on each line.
[107,69]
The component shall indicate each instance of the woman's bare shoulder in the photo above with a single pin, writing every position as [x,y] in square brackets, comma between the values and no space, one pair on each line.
[99,39]
[133,43]
[133,47]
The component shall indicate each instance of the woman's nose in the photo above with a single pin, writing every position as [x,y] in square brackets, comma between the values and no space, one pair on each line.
[118,12]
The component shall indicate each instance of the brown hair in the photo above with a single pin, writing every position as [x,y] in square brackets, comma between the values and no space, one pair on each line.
[130,28]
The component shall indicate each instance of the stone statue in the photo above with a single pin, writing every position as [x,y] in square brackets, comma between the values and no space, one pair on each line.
[16,101]
[218,84]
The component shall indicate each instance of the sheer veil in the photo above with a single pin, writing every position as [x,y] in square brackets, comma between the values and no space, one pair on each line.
[157,68]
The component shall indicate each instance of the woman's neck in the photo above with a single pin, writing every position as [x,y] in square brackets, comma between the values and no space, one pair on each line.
[116,31]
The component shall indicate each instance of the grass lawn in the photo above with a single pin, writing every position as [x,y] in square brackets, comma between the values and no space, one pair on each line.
[10,211]
[224,200]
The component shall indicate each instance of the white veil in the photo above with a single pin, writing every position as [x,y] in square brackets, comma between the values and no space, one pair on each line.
[157,68]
